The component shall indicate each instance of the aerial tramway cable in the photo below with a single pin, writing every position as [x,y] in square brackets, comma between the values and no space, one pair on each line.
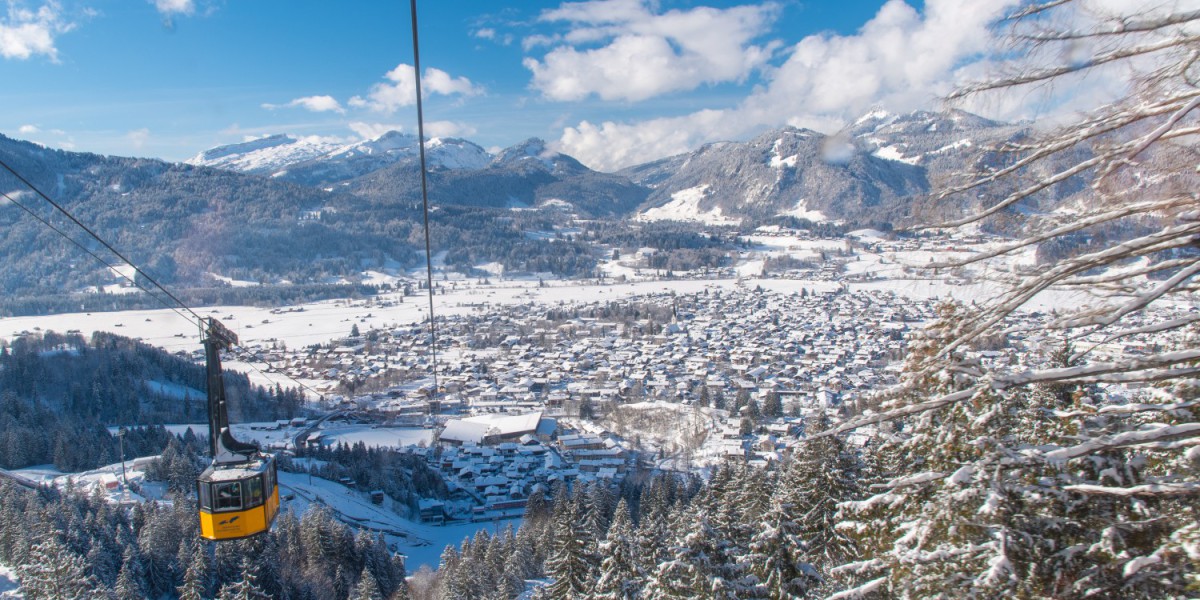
[87,250]
[194,318]
[95,236]
[424,201]
[238,494]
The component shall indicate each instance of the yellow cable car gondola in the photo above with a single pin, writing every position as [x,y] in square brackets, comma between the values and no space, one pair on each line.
[239,492]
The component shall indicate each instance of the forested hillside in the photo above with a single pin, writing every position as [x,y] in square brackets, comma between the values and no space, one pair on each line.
[59,393]
[76,546]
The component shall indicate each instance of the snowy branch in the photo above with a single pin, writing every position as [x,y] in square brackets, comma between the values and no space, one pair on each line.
[1164,433]
[1153,489]
[1046,74]
[1124,27]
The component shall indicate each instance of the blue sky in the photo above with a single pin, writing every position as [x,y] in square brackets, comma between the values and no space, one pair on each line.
[612,82]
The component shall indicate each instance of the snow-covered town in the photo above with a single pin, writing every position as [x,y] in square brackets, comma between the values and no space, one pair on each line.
[888,299]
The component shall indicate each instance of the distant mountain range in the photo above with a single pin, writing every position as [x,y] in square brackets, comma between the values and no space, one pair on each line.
[303,209]
[315,162]
[872,172]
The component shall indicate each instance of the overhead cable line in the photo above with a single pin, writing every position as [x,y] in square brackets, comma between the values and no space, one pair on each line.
[79,245]
[95,236]
[424,197]
[195,318]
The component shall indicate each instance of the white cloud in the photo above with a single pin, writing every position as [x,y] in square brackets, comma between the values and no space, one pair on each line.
[369,131]
[138,137]
[311,103]
[488,33]
[901,60]
[610,145]
[25,33]
[388,97]
[433,129]
[448,129]
[673,51]
[53,138]
[175,7]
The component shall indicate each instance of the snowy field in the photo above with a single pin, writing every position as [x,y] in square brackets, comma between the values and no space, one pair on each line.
[321,322]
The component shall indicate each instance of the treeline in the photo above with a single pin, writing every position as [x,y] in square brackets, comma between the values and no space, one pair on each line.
[60,393]
[617,311]
[822,229]
[71,545]
[746,533]
[261,295]
[664,235]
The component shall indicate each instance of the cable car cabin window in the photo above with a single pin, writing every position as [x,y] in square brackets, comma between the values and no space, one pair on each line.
[205,492]
[229,495]
[254,495]
[269,479]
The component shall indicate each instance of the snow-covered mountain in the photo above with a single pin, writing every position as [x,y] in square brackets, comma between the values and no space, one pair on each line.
[879,169]
[532,155]
[941,142]
[315,161]
[266,155]
[527,174]
[787,172]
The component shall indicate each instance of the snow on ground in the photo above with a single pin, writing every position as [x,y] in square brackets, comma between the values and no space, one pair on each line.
[901,271]
[867,235]
[801,211]
[174,390]
[375,436]
[779,162]
[107,478]
[233,282]
[120,288]
[420,543]
[751,268]
[673,430]
[774,244]
[322,322]
[685,206]
[493,268]
[378,278]
[893,153]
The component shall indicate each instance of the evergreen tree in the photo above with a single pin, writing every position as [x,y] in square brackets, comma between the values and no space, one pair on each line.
[690,570]
[129,582]
[776,556]
[195,578]
[55,572]
[568,560]
[619,576]
[772,405]
[367,588]
[822,474]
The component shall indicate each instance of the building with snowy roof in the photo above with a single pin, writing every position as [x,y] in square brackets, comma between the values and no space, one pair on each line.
[497,429]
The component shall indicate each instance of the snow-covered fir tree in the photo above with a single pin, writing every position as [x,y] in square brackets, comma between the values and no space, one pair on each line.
[619,577]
